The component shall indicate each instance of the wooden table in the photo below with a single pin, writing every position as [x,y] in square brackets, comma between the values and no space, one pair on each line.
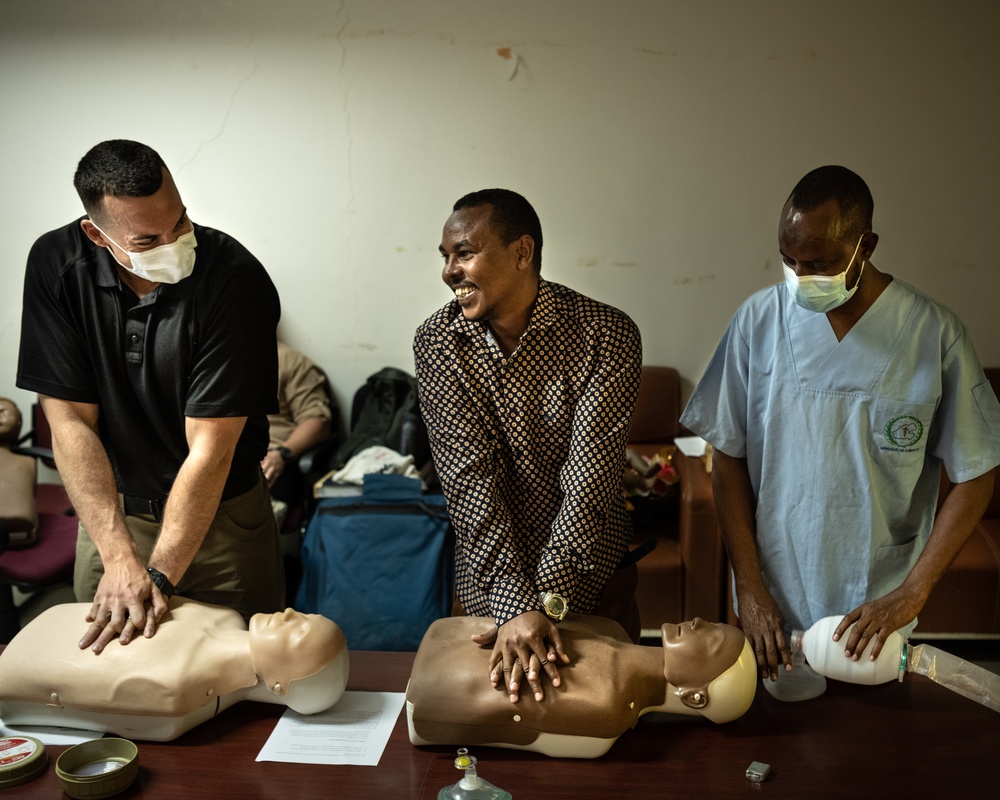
[910,740]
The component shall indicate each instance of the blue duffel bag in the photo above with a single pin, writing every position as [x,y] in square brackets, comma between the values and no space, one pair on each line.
[380,564]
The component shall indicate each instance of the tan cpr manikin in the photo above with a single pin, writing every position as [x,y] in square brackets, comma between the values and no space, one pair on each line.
[703,668]
[17,480]
[201,660]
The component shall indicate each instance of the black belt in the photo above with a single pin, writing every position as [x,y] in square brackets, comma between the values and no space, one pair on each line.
[143,507]
[633,556]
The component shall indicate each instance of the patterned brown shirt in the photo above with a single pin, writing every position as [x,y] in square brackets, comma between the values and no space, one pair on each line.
[530,449]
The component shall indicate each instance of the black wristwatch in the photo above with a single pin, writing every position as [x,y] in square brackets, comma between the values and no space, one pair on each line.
[285,453]
[162,582]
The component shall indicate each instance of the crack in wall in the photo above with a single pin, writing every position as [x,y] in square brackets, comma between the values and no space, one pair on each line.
[348,130]
[225,117]
[356,272]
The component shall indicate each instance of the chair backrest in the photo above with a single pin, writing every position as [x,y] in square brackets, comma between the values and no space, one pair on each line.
[41,433]
[658,407]
[49,560]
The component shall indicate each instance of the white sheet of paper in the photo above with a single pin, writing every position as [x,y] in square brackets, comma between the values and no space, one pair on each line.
[49,735]
[354,731]
[691,445]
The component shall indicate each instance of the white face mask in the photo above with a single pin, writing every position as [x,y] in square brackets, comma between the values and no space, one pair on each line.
[822,293]
[168,263]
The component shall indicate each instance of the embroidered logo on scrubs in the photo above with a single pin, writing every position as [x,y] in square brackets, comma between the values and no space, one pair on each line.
[904,431]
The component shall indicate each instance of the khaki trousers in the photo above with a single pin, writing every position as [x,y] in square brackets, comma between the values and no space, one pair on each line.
[239,564]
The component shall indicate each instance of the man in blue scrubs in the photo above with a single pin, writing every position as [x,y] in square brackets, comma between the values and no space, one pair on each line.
[832,402]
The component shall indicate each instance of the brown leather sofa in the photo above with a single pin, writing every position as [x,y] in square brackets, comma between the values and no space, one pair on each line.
[684,576]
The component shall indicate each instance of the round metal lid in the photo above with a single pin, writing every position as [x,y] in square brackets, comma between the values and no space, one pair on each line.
[22,758]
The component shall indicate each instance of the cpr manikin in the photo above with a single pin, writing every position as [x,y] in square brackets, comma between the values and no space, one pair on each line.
[703,668]
[17,480]
[201,660]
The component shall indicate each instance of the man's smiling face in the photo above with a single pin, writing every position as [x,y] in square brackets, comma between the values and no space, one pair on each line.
[479,268]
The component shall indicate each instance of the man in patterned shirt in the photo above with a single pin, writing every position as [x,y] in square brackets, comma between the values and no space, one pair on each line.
[527,389]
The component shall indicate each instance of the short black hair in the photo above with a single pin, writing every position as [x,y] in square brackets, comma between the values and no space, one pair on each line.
[117,168]
[851,193]
[510,218]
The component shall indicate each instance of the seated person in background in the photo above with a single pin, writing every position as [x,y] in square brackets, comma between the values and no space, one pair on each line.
[201,661]
[703,668]
[302,422]
[17,481]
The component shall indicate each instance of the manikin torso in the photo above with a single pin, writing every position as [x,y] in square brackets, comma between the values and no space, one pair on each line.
[17,492]
[196,665]
[608,685]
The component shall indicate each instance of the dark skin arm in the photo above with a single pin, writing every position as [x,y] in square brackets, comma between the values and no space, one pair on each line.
[954,523]
[761,619]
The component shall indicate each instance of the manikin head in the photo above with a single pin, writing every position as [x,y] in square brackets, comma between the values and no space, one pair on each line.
[710,667]
[295,655]
[320,691]
[10,422]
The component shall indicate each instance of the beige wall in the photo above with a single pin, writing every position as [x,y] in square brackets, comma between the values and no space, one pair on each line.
[657,139]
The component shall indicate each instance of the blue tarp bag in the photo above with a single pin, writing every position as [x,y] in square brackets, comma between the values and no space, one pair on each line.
[380,564]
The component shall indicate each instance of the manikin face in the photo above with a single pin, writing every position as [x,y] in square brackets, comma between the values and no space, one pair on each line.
[290,645]
[10,421]
[485,274]
[697,652]
[141,223]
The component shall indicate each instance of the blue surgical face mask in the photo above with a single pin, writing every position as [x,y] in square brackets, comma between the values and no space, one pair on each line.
[822,293]
[168,263]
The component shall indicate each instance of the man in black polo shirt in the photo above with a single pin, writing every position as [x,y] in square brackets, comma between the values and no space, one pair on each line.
[156,365]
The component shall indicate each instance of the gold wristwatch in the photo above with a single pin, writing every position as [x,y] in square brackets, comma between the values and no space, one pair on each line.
[554,605]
